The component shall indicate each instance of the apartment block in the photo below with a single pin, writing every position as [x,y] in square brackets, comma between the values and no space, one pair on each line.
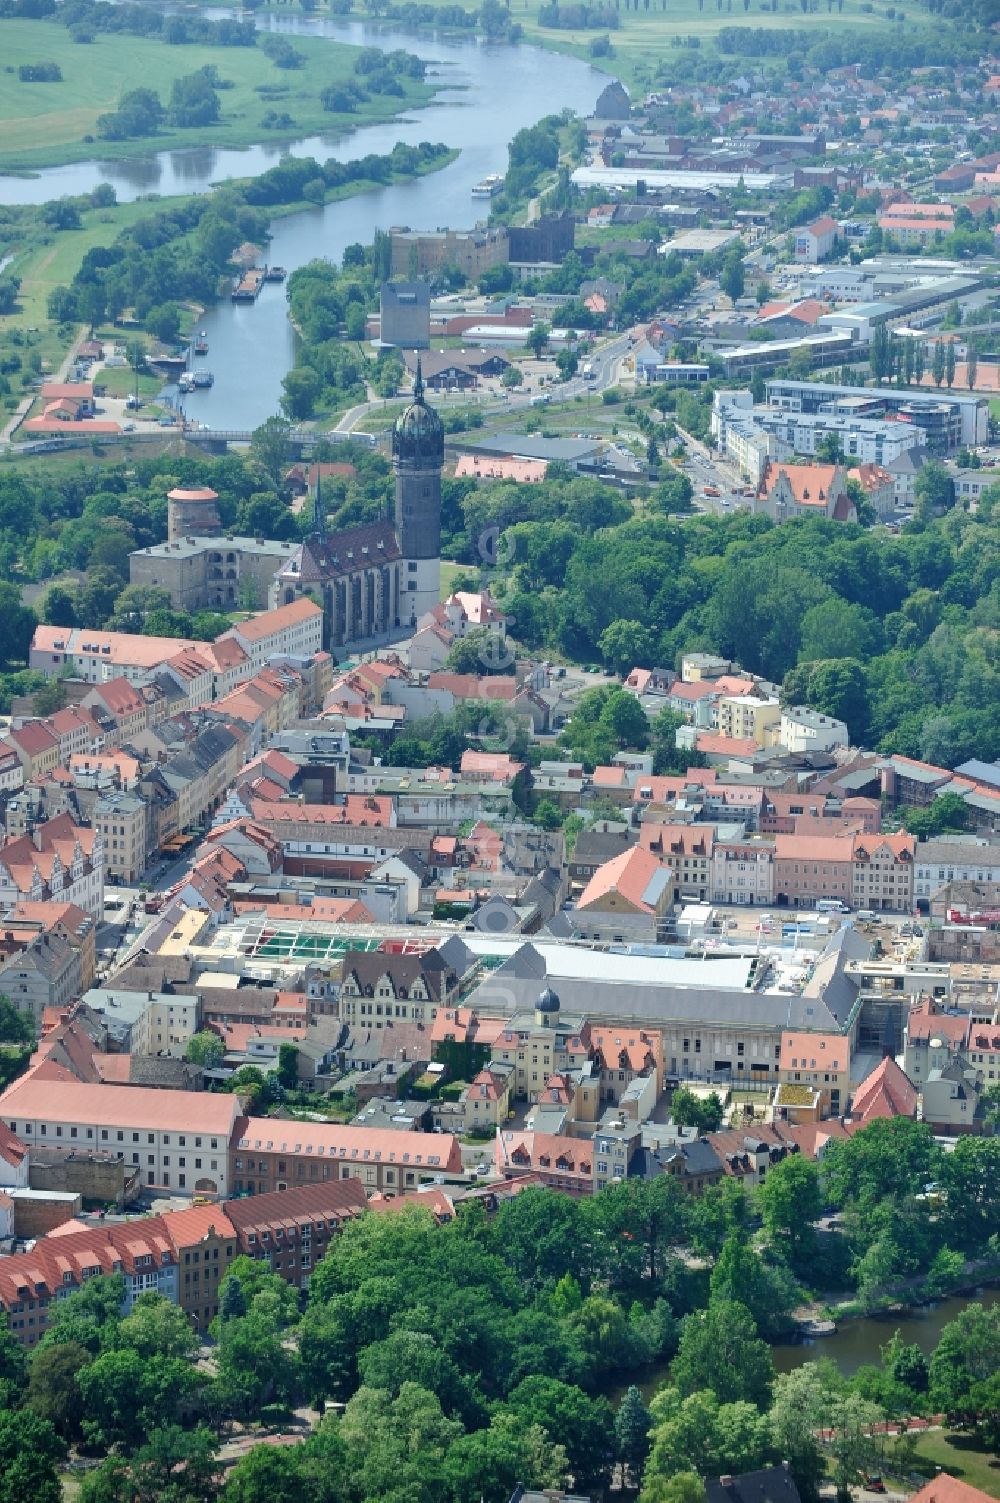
[269,1154]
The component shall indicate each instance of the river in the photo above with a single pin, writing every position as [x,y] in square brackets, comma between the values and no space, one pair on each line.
[854,1344]
[491,91]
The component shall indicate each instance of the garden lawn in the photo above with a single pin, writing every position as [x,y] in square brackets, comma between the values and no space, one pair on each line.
[957,1455]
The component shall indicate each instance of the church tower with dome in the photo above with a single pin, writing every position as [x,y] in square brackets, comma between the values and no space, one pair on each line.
[417,460]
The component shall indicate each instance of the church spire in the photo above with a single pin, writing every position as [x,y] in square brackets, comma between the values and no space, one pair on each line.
[418,383]
[319,510]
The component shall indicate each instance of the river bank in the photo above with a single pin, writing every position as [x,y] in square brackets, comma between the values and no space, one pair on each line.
[856,1342]
[52,124]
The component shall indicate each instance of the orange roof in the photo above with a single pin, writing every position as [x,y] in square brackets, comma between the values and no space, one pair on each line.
[357,809]
[269,623]
[815,1051]
[886,1092]
[810,483]
[437,1151]
[119,1106]
[637,876]
[109,646]
[942,1488]
[813,847]
[733,746]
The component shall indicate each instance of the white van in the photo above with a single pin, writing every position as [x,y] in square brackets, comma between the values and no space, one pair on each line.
[831,905]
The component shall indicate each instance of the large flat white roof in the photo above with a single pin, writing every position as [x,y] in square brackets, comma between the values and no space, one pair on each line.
[627,177]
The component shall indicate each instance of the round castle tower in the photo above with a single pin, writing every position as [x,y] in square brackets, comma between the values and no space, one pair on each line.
[417,459]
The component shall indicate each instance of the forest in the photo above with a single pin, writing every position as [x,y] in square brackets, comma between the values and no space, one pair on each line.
[894,633]
[465,1358]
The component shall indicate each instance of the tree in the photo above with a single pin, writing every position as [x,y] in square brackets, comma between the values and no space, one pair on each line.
[971,366]
[964,1360]
[625,645]
[933,490]
[538,338]
[685,1487]
[584,1427]
[266,1474]
[270,447]
[17,625]
[302,389]
[699,1434]
[673,493]
[155,1327]
[567,362]
[512,378]
[732,278]
[741,1276]
[480,651]
[288,1066]
[970,1177]
[720,1349]
[790,1200]
[57,607]
[887,1159]
[703,1113]
[53,1390]
[205,1048]
[16,1027]
[163,321]
[232,1302]
[938,363]
[29,1451]
[949,364]
[632,1425]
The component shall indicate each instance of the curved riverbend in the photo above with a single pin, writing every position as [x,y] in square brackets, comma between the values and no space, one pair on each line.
[493,91]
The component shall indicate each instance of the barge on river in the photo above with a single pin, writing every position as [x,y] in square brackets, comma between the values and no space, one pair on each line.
[247,289]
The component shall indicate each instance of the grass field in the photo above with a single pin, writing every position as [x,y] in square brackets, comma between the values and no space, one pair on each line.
[449,573]
[46,123]
[43,266]
[643,38]
[958,1456]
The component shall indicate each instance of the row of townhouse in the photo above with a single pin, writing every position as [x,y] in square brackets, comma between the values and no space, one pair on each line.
[203,671]
[59,861]
[862,870]
[185,1256]
[195,1143]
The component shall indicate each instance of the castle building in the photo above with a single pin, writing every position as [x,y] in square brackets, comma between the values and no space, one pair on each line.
[374,581]
[377,580]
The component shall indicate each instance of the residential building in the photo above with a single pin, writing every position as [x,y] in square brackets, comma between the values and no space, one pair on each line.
[628,896]
[291,1230]
[814,242]
[38,970]
[804,730]
[560,1162]
[294,630]
[271,1154]
[205,1243]
[178,1139]
[687,850]
[809,867]
[882,872]
[805,490]
[955,858]
[819,1060]
[748,717]
[380,987]
[743,871]
[123,821]
[56,1266]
